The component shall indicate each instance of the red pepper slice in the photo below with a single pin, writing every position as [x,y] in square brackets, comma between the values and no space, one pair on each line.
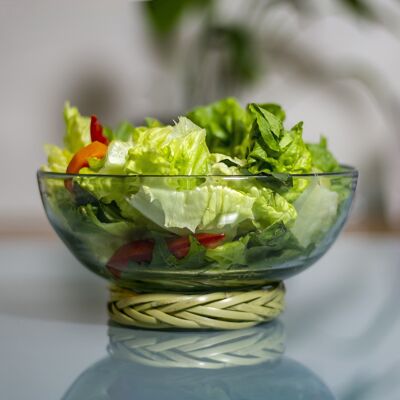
[142,250]
[96,131]
[210,240]
[138,251]
[81,157]
[180,247]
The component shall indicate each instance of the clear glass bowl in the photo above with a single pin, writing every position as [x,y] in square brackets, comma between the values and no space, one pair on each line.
[127,228]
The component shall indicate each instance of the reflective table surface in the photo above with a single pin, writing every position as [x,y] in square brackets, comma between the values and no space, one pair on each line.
[339,337]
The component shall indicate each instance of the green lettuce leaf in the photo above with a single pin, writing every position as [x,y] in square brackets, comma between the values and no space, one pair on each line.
[270,208]
[162,257]
[77,129]
[107,189]
[113,224]
[313,221]
[206,208]
[274,109]
[213,207]
[294,157]
[273,148]
[169,150]
[57,158]
[86,225]
[298,186]
[153,123]
[322,159]
[115,160]
[124,132]
[227,125]
[272,246]
[267,129]
[222,164]
[230,253]
[269,205]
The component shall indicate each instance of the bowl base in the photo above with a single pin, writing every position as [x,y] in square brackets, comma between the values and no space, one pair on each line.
[216,310]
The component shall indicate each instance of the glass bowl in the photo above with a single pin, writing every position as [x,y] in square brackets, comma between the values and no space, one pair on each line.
[146,233]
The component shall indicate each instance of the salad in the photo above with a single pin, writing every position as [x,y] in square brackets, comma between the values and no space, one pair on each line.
[221,188]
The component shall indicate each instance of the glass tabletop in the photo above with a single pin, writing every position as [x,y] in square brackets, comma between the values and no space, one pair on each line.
[338,338]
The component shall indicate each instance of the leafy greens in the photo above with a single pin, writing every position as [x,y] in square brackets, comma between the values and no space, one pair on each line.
[271,218]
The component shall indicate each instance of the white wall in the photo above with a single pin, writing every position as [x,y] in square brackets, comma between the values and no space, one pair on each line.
[50,50]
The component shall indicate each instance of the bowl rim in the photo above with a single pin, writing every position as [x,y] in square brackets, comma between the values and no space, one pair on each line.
[347,170]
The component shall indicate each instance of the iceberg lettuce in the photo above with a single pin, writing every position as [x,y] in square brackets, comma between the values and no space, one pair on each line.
[205,208]
[314,220]
[169,150]
[115,160]
[57,158]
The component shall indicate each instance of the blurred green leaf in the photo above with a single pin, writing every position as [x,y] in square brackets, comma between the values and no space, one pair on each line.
[240,45]
[164,15]
[359,7]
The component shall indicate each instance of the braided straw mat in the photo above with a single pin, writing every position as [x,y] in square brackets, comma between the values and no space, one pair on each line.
[220,310]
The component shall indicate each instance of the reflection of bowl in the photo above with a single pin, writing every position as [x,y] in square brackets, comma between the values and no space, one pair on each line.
[121,376]
[199,350]
[141,241]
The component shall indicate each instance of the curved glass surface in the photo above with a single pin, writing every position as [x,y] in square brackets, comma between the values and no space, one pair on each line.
[197,233]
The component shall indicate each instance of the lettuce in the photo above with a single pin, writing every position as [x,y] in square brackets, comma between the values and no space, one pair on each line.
[108,189]
[322,159]
[257,135]
[313,221]
[77,129]
[86,225]
[276,218]
[222,164]
[124,132]
[113,225]
[274,149]
[162,256]
[213,207]
[270,208]
[169,150]
[57,158]
[153,123]
[231,253]
[114,162]
[274,245]
[227,125]
[210,208]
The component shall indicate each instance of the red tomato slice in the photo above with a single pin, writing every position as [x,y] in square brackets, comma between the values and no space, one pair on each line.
[142,250]
[210,240]
[180,247]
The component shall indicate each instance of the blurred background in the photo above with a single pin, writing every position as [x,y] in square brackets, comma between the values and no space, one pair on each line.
[332,63]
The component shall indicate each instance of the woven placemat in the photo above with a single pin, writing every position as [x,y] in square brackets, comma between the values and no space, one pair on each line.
[219,310]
